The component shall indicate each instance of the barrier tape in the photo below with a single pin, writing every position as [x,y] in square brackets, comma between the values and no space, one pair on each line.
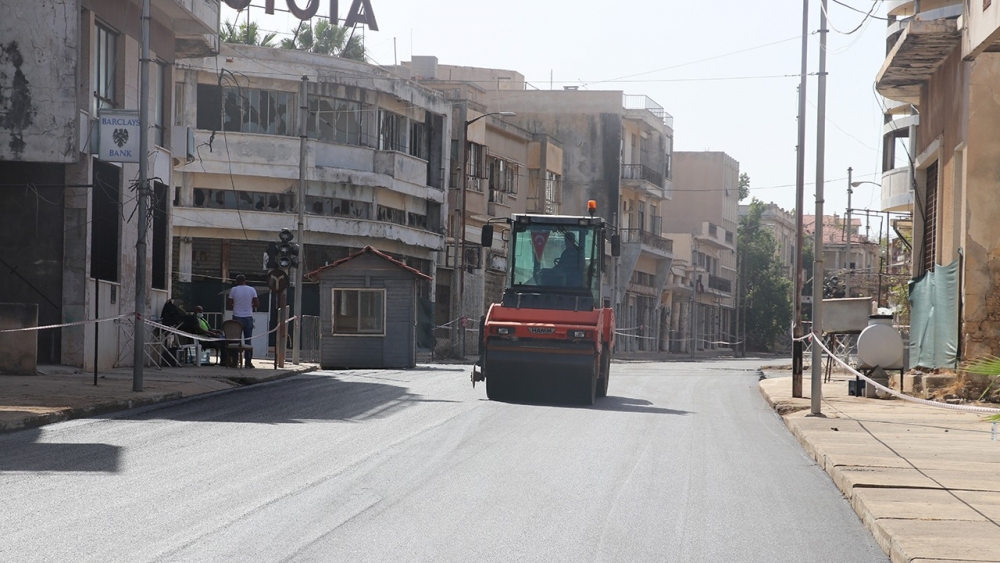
[166,328]
[77,323]
[898,395]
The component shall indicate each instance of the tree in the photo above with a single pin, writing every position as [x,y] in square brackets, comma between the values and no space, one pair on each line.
[767,307]
[325,38]
[744,186]
[245,34]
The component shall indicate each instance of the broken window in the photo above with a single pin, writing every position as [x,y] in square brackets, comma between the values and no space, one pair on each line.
[246,110]
[391,131]
[335,120]
[391,215]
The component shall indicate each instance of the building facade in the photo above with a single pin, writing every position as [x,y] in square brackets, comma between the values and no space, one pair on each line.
[586,145]
[705,215]
[68,217]
[942,64]
[373,175]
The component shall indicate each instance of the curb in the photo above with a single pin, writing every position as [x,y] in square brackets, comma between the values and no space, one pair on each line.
[836,474]
[88,411]
[36,421]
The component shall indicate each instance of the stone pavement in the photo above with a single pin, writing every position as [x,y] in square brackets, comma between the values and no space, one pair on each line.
[924,480]
[61,393]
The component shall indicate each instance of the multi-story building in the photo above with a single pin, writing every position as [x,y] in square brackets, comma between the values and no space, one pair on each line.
[781,223]
[599,145]
[857,265]
[67,217]
[702,220]
[942,64]
[504,170]
[374,170]
[617,151]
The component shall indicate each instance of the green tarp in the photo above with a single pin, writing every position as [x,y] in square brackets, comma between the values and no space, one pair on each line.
[934,318]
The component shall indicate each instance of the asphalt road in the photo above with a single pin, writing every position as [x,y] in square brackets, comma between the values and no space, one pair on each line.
[681,462]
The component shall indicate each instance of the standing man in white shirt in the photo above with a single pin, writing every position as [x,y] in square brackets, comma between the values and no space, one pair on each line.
[242,301]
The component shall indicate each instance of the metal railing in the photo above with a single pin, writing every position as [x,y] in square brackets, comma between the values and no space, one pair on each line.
[649,239]
[642,172]
[645,102]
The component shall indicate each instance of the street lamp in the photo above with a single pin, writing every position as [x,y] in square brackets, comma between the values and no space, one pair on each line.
[460,236]
[850,227]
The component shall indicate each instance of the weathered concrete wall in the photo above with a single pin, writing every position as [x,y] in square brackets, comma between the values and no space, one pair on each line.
[980,330]
[18,350]
[39,40]
[700,179]
[588,125]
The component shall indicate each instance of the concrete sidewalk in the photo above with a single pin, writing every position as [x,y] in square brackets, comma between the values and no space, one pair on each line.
[924,480]
[61,393]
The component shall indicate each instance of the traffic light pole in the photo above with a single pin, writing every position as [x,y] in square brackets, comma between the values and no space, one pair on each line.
[303,137]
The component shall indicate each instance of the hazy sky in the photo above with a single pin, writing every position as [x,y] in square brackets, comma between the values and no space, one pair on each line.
[726,71]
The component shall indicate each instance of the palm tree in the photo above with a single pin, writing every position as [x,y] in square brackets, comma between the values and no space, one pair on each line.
[245,34]
[325,39]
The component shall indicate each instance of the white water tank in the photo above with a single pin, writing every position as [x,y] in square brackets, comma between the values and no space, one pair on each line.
[880,344]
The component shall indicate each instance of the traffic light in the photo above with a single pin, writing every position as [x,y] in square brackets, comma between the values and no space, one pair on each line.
[288,251]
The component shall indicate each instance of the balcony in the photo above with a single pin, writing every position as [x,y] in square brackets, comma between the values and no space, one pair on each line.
[642,177]
[195,24]
[646,104]
[716,236]
[896,192]
[720,284]
[645,238]
[928,38]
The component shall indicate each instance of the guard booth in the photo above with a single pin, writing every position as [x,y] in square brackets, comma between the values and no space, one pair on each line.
[368,311]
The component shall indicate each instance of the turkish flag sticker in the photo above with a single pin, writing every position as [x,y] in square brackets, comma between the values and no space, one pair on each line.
[539,239]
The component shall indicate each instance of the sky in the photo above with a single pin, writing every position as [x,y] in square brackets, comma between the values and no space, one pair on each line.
[727,72]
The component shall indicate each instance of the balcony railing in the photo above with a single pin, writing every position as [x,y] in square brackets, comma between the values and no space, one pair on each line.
[720,284]
[647,103]
[642,172]
[646,238]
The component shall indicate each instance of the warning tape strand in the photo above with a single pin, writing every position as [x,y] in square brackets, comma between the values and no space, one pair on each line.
[903,396]
[64,325]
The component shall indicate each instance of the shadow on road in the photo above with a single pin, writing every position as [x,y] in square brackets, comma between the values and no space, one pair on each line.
[304,398]
[23,452]
[627,404]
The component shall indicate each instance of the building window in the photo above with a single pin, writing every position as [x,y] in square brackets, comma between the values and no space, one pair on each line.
[552,183]
[503,176]
[359,311]
[158,72]
[243,200]
[391,131]
[103,64]
[391,215]
[419,140]
[335,120]
[250,110]
[930,217]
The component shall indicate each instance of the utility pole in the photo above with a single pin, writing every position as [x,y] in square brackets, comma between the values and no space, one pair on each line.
[139,328]
[463,118]
[850,233]
[800,180]
[817,305]
[303,138]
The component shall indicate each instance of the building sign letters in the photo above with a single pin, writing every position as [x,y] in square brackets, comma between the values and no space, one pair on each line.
[119,135]
[360,12]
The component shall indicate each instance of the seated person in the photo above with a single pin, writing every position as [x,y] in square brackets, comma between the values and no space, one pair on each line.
[570,262]
[202,328]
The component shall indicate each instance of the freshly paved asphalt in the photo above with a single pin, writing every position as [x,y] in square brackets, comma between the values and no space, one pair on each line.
[682,462]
